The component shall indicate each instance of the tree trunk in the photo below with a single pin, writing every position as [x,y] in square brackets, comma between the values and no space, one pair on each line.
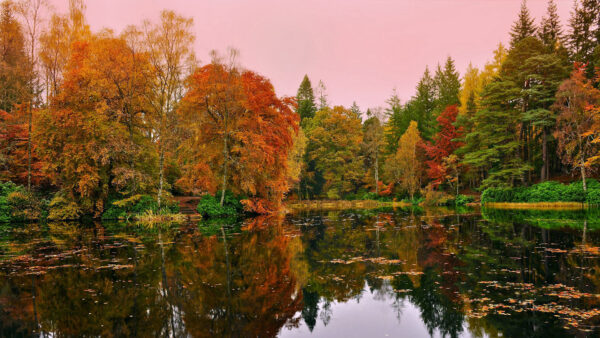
[376,174]
[583,177]
[29,150]
[225,157]
[161,165]
[457,183]
[544,175]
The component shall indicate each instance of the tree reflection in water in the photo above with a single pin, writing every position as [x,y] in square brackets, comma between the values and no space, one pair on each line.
[499,273]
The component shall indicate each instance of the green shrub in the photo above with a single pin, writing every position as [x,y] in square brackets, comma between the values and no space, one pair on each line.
[549,191]
[17,204]
[462,200]
[209,206]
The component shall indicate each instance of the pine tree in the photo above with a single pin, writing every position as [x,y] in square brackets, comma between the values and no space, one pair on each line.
[523,27]
[322,93]
[447,81]
[356,110]
[306,100]
[584,29]
[550,31]
[396,124]
[425,104]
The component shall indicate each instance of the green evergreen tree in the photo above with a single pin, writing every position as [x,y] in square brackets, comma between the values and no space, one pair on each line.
[584,29]
[516,120]
[306,100]
[447,81]
[424,105]
[523,27]
[550,31]
[356,110]
[396,122]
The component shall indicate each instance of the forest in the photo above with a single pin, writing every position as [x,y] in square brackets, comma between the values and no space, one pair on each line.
[105,124]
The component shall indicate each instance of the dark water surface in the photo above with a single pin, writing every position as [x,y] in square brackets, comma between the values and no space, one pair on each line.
[408,273]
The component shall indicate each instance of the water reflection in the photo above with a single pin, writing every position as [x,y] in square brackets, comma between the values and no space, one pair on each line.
[418,272]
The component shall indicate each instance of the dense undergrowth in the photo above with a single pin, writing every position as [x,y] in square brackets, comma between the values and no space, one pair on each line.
[210,206]
[549,191]
[19,205]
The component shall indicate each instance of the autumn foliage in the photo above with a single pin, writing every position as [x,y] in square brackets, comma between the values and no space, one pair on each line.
[445,142]
[240,136]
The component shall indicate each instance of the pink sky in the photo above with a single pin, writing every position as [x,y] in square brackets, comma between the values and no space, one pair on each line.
[361,50]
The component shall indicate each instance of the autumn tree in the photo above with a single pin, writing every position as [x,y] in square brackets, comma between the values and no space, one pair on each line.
[444,143]
[475,80]
[56,41]
[15,164]
[335,138]
[404,167]
[95,138]
[15,68]
[240,135]
[169,47]
[577,106]
[296,163]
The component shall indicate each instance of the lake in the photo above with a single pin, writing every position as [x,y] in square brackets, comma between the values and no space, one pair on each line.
[371,273]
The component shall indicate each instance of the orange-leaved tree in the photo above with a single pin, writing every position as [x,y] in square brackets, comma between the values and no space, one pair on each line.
[14,138]
[576,104]
[95,138]
[444,144]
[239,136]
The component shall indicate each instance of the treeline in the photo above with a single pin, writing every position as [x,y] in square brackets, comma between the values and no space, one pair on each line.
[529,115]
[91,121]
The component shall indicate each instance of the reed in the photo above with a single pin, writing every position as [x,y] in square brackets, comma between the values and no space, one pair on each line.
[341,205]
[151,218]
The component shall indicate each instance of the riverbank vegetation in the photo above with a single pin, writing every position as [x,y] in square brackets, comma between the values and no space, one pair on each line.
[111,125]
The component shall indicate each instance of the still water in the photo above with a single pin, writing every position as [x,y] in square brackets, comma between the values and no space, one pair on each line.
[375,273]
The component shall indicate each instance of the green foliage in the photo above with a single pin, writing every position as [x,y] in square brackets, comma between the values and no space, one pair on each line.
[461,200]
[306,100]
[363,195]
[210,206]
[414,201]
[16,204]
[138,205]
[549,191]
[6,189]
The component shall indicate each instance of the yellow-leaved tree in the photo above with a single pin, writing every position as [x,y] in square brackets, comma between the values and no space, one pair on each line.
[404,168]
